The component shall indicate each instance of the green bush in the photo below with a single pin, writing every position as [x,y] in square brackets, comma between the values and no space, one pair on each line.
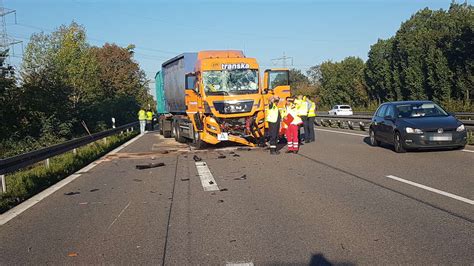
[24,184]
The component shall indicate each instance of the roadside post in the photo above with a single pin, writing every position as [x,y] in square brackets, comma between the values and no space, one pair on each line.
[4,185]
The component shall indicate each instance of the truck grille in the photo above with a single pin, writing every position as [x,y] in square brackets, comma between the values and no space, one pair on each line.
[233,107]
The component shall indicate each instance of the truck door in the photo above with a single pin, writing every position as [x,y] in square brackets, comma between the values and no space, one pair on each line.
[192,96]
[276,82]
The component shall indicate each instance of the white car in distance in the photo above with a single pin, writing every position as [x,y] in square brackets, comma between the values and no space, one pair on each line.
[341,110]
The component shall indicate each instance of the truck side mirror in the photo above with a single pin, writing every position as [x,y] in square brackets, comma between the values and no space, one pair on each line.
[191,82]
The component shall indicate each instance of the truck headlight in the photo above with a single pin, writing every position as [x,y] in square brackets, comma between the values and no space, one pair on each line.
[212,127]
[460,128]
[413,130]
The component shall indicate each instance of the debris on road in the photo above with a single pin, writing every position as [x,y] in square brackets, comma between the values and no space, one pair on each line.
[184,179]
[94,190]
[220,201]
[83,203]
[211,182]
[72,193]
[224,189]
[232,240]
[150,165]
[197,158]
[222,156]
[243,149]
[244,177]
[137,180]
[236,155]
[72,254]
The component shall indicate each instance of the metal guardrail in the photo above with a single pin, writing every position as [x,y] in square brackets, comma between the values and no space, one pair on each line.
[23,160]
[363,121]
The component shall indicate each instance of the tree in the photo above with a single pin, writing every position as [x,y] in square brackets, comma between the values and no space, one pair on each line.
[300,83]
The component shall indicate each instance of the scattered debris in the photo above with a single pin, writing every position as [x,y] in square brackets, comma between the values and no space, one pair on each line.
[233,240]
[72,193]
[153,157]
[222,156]
[236,155]
[224,189]
[94,190]
[231,152]
[197,158]
[151,191]
[241,178]
[164,152]
[137,180]
[72,254]
[213,193]
[342,246]
[83,203]
[243,149]
[184,179]
[150,165]
[220,201]
[376,239]
[211,182]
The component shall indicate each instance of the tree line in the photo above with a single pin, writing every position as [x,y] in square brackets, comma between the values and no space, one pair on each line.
[64,85]
[430,57]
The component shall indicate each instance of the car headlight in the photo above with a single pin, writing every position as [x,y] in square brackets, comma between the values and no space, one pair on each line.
[413,130]
[460,128]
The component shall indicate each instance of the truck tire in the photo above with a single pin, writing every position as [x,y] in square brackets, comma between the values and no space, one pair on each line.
[178,135]
[198,142]
[160,125]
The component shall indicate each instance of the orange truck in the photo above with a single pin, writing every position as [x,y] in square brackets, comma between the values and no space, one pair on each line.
[216,96]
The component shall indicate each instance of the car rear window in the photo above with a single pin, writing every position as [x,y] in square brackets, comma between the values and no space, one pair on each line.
[344,107]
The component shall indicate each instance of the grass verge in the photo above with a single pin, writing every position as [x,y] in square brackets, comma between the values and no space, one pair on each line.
[24,184]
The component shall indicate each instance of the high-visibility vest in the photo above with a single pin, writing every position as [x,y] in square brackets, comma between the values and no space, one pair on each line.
[149,116]
[312,109]
[272,114]
[294,113]
[141,115]
[302,107]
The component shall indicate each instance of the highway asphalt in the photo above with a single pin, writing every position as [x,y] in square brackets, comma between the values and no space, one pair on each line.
[339,201]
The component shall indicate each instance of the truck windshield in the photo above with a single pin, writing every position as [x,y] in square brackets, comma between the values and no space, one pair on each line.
[230,82]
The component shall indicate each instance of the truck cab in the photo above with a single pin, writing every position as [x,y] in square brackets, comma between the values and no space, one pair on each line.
[223,99]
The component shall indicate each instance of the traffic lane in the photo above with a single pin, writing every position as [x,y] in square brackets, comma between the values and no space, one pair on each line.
[446,170]
[287,210]
[120,216]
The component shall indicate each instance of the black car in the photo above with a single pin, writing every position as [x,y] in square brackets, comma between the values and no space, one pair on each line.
[416,125]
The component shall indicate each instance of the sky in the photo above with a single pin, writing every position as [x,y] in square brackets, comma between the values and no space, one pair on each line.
[310,32]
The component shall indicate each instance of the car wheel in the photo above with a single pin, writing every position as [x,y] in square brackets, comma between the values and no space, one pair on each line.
[373,141]
[398,143]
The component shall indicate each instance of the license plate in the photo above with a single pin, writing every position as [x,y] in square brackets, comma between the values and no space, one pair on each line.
[444,137]
[223,136]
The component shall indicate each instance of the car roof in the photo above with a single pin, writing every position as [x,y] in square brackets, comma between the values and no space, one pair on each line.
[408,102]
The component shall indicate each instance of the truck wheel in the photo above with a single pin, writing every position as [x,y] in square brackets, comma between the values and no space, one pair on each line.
[198,143]
[178,135]
[160,124]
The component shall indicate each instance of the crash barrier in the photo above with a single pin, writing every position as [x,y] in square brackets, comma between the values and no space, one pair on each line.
[18,162]
[362,122]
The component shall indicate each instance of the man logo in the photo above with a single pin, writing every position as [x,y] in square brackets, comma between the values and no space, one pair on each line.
[440,130]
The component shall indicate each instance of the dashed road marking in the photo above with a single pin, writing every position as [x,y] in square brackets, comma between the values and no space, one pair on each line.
[207,180]
[444,193]
[340,132]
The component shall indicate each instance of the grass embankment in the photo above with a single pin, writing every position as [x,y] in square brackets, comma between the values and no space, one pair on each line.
[24,184]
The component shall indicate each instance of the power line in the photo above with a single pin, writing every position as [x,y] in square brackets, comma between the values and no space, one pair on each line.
[6,42]
[283,60]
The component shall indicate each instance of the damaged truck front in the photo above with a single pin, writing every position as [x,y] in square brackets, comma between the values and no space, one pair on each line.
[214,96]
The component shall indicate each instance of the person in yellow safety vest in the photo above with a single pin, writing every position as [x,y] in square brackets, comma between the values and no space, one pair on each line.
[273,119]
[149,120]
[302,107]
[292,131]
[311,116]
[142,119]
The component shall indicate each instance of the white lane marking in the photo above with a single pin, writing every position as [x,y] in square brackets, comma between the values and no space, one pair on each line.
[207,180]
[120,214]
[466,150]
[239,264]
[444,193]
[347,133]
[12,213]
